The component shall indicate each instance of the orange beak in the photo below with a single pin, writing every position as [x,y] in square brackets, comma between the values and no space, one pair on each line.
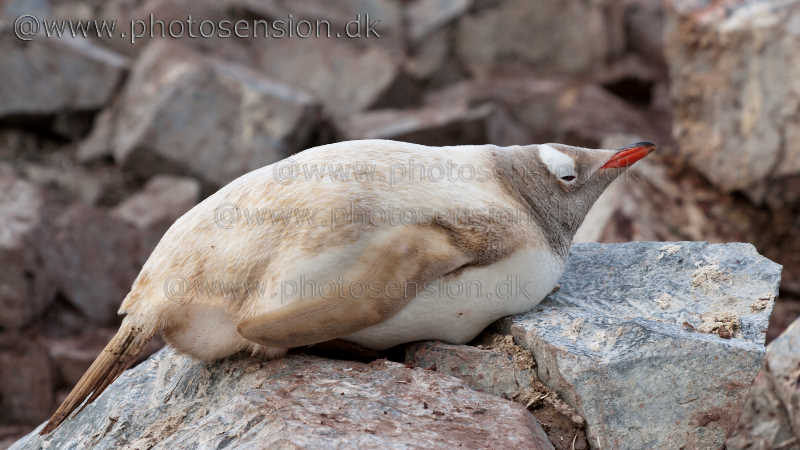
[629,155]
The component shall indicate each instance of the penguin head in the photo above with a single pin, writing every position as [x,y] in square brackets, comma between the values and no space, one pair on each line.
[583,171]
[561,183]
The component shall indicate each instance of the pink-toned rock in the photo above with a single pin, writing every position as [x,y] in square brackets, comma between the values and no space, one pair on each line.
[162,200]
[433,125]
[427,16]
[153,209]
[385,15]
[770,418]
[346,79]
[26,380]
[94,258]
[71,356]
[186,113]
[545,36]
[500,367]
[11,433]
[549,110]
[25,287]
[484,370]
[735,73]
[299,401]
[644,29]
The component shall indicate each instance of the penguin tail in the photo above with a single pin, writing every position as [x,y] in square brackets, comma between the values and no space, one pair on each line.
[119,354]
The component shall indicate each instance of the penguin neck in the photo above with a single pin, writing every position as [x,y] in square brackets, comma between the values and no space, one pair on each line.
[522,176]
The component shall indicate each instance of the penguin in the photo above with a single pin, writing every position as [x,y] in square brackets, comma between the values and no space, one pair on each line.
[375,242]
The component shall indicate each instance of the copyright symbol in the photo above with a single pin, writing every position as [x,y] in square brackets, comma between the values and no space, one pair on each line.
[283,171]
[26,27]
[226,215]
[176,289]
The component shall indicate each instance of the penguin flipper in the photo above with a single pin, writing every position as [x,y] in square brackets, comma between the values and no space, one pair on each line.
[389,273]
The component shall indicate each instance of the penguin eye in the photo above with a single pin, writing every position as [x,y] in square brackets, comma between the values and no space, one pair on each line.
[568,177]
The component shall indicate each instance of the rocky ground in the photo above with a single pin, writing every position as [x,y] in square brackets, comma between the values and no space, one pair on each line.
[103,144]
[595,363]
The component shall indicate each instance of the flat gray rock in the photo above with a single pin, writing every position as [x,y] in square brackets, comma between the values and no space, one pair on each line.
[655,344]
[45,76]
[172,401]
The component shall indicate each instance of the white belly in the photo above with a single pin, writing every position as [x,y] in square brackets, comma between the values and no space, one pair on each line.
[458,309]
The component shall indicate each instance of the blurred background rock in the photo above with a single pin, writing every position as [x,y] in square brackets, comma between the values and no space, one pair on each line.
[103,144]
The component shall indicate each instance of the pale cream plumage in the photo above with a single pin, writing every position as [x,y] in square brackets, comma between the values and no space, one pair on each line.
[228,275]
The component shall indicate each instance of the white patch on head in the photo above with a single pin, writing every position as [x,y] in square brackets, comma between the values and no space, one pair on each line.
[558,163]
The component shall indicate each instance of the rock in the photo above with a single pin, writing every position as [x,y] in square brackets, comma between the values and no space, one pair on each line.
[45,76]
[73,126]
[771,415]
[785,312]
[11,433]
[61,320]
[431,57]
[385,15]
[189,114]
[638,83]
[15,8]
[498,366]
[432,60]
[135,16]
[547,37]
[162,200]
[160,203]
[426,16]
[735,73]
[553,111]
[783,366]
[98,143]
[654,344]
[217,39]
[94,258]
[72,355]
[601,213]
[644,30]
[484,370]
[763,424]
[25,288]
[80,9]
[660,199]
[15,144]
[61,177]
[26,380]
[347,79]
[299,401]
[432,125]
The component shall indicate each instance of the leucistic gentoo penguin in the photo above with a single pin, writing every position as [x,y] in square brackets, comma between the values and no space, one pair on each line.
[375,242]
